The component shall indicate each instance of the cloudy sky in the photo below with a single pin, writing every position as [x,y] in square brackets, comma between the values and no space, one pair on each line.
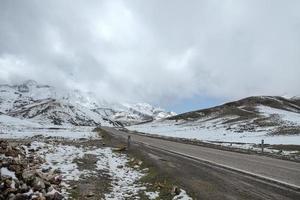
[178,54]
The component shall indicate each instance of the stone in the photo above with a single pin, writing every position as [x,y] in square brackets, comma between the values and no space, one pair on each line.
[12,152]
[57,171]
[50,189]
[54,195]
[46,169]
[7,183]
[56,179]
[175,190]
[22,197]
[24,188]
[145,170]
[90,194]
[28,176]
[38,184]
[18,169]
[11,196]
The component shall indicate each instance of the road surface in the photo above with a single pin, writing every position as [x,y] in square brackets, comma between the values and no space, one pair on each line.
[280,171]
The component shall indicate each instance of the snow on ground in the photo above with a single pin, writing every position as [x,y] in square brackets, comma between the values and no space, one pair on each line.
[11,127]
[201,131]
[182,196]
[8,123]
[286,116]
[124,179]
[152,195]
[6,172]
[68,132]
[124,183]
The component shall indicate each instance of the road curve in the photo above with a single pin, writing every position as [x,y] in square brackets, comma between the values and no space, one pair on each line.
[281,171]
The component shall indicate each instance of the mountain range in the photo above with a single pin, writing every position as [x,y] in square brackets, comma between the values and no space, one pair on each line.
[45,104]
[35,105]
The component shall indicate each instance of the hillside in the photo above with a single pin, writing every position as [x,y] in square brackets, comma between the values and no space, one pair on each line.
[245,120]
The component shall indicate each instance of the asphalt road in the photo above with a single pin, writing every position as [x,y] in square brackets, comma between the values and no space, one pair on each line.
[281,171]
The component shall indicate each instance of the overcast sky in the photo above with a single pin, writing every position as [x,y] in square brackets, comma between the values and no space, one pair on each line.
[170,53]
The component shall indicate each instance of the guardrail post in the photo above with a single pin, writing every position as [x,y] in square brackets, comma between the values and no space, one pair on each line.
[128,141]
[262,146]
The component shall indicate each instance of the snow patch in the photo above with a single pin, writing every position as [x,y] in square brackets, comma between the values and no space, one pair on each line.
[152,195]
[182,196]
[6,172]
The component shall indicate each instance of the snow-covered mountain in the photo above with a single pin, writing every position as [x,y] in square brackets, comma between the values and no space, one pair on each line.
[243,120]
[49,105]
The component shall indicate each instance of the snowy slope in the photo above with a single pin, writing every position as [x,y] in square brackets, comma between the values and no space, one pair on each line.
[49,105]
[246,120]
[129,114]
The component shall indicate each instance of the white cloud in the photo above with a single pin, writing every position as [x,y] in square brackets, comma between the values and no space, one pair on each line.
[155,51]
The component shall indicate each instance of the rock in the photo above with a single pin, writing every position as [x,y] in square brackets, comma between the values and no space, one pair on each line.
[120,166]
[56,179]
[38,184]
[22,197]
[50,189]
[46,169]
[38,196]
[12,152]
[9,191]
[136,166]
[24,188]
[17,168]
[145,170]
[90,194]
[2,187]
[54,195]
[122,148]
[175,190]
[11,196]
[140,163]
[8,183]
[74,187]
[28,176]
[57,171]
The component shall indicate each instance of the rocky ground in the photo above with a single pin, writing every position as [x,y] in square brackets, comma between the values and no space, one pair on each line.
[55,168]
[23,177]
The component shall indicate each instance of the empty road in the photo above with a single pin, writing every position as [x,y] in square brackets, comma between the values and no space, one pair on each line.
[280,171]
